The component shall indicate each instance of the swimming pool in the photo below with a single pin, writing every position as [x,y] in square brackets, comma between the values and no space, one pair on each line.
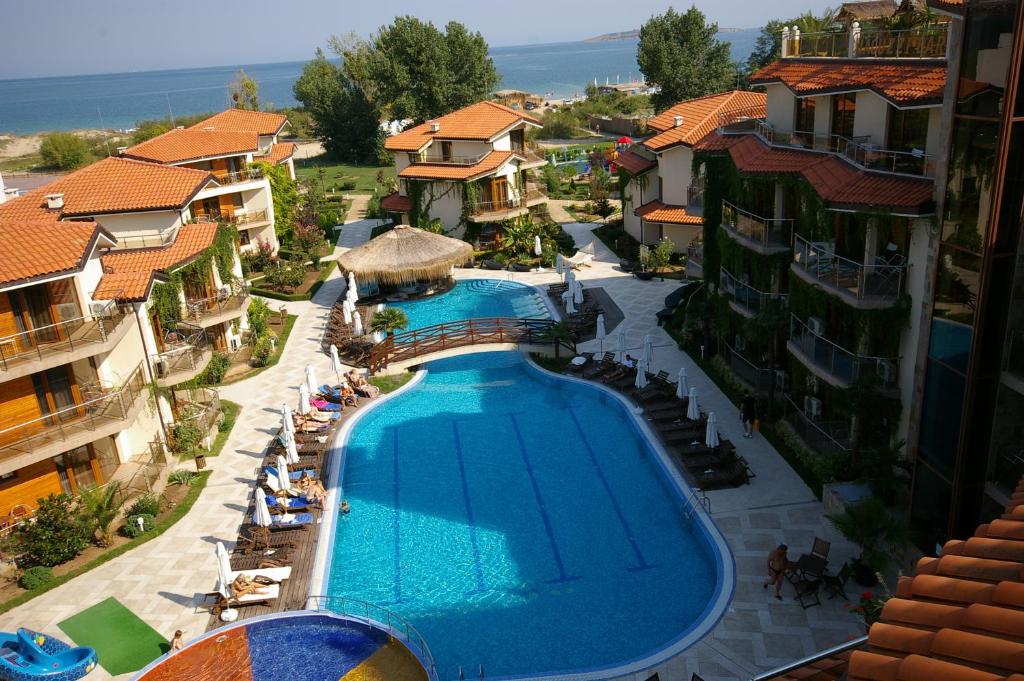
[471,298]
[522,522]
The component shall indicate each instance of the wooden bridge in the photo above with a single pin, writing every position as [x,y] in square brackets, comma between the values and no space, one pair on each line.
[430,340]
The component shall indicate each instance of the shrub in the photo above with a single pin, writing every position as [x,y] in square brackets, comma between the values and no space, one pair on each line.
[64,150]
[36,578]
[131,529]
[286,275]
[215,371]
[147,504]
[182,476]
[258,314]
[226,422]
[262,350]
[347,185]
[100,507]
[58,533]
[186,437]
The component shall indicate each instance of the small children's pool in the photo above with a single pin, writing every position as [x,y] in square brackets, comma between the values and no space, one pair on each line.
[522,522]
[474,298]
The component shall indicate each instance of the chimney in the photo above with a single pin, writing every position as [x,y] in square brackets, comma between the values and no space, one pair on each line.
[677,121]
[54,201]
[435,126]
[179,127]
[121,151]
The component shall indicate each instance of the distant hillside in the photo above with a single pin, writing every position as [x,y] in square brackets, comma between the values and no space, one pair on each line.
[635,33]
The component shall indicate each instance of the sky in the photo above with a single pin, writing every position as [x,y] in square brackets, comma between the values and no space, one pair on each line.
[70,37]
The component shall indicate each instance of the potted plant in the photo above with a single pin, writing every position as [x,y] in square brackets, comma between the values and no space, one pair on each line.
[878,533]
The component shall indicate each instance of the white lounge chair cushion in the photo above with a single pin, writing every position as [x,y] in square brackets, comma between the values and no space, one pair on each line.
[277,574]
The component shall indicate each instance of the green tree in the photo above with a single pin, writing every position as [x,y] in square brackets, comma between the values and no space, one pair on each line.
[258,314]
[661,254]
[285,193]
[517,237]
[389,320]
[869,524]
[768,46]
[681,55]
[100,507]
[57,533]
[245,92]
[64,150]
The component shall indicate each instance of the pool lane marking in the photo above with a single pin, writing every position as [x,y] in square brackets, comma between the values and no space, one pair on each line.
[469,512]
[644,565]
[562,577]
[398,532]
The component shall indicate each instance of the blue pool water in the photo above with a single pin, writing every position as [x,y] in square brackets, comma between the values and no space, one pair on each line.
[520,521]
[473,298]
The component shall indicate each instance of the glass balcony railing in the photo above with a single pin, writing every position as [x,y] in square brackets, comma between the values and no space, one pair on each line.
[766,232]
[847,367]
[516,202]
[922,42]
[695,251]
[746,296]
[247,175]
[228,299]
[881,282]
[695,198]
[821,435]
[43,342]
[437,158]
[873,157]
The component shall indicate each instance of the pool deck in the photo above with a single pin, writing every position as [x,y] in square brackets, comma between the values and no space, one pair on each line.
[163,580]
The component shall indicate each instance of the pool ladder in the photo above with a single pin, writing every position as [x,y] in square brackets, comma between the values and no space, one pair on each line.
[696,499]
[462,674]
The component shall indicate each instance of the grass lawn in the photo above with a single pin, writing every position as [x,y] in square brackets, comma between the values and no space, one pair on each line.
[19,164]
[335,173]
[123,642]
[281,341]
[389,384]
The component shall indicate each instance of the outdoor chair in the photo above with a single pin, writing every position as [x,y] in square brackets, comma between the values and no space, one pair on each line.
[807,592]
[821,548]
[835,585]
[222,602]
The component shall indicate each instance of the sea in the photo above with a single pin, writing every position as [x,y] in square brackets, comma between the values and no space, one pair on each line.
[121,100]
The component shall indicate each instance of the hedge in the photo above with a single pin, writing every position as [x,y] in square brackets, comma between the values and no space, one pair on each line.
[295,297]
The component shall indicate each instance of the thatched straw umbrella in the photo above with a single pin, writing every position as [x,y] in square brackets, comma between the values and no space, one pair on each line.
[404,255]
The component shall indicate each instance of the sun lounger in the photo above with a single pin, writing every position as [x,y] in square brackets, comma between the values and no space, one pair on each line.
[290,505]
[292,520]
[598,369]
[272,592]
[292,475]
[324,405]
[732,474]
[254,538]
[583,257]
[683,433]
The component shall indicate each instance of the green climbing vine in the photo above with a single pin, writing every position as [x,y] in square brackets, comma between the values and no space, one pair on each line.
[166,296]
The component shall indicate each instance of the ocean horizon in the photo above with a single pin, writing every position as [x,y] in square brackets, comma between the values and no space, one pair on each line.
[122,100]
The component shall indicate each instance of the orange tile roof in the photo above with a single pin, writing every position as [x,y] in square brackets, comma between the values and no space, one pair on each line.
[127,275]
[951,6]
[240,120]
[656,211]
[700,117]
[279,153]
[480,122]
[113,185]
[396,203]
[190,144]
[961,617]
[40,248]
[837,182]
[447,171]
[902,83]
[634,162]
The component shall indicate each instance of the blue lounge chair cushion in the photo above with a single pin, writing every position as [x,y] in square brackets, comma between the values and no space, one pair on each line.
[292,502]
[292,475]
[296,519]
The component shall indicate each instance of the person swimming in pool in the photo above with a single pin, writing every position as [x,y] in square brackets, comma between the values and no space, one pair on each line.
[345,507]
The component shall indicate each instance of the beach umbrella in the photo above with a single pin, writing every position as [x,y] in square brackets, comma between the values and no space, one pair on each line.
[577,294]
[711,436]
[570,278]
[336,362]
[693,409]
[287,425]
[681,386]
[641,375]
[346,311]
[225,575]
[262,515]
[648,350]
[304,405]
[537,248]
[567,299]
[625,140]
[559,264]
[353,289]
[311,383]
[291,452]
[357,325]
[600,333]
[282,475]
[621,359]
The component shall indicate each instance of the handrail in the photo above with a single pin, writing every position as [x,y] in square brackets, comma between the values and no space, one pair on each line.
[199,308]
[438,159]
[91,328]
[842,363]
[811,659]
[835,442]
[521,201]
[872,157]
[397,626]
[745,295]
[704,501]
[85,413]
[922,42]
[146,240]
[695,196]
[447,335]
[765,231]
[881,281]
[238,176]
[240,218]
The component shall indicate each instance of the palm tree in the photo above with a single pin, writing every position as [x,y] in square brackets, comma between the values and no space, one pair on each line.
[879,533]
[518,234]
[557,334]
[100,507]
[389,320]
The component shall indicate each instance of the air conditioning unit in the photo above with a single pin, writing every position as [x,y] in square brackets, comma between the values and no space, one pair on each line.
[812,407]
[816,326]
[812,384]
[97,308]
[781,379]
[741,343]
[886,371]
[235,344]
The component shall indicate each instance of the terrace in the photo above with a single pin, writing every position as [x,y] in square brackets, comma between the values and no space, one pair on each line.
[494,211]
[744,298]
[923,42]
[760,234]
[187,353]
[832,362]
[823,436]
[865,286]
[229,303]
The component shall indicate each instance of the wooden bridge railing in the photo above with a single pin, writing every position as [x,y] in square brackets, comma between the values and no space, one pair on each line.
[448,335]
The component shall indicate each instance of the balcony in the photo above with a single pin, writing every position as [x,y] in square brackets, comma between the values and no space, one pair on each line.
[248,175]
[229,303]
[46,347]
[923,42]
[495,211]
[695,258]
[187,354]
[695,198]
[757,377]
[868,156]
[863,286]
[157,240]
[835,364]
[822,436]
[762,235]
[434,158]
[244,219]
[105,410]
[745,299]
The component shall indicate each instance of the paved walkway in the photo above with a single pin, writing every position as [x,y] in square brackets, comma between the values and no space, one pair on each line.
[162,580]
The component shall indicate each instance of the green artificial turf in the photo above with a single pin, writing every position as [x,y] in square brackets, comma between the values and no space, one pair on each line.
[123,642]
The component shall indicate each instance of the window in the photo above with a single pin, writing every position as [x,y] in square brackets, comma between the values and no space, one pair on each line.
[843,109]
[243,237]
[446,151]
[908,130]
[805,114]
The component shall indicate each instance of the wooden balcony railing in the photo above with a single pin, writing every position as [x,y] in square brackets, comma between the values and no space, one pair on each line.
[228,299]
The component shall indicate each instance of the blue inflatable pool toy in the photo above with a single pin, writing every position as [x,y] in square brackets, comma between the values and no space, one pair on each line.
[28,655]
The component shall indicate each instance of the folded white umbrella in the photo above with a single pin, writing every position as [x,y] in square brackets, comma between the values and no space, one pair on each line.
[648,351]
[537,248]
[693,409]
[282,474]
[577,294]
[357,325]
[336,362]
[304,406]
[621,358]
[224,571]
[559,264]
[600,333]
[346,311]
[641,375]
[311,385]
[711,437]
[682,387]
[567,299]
[287,425]
[570,278]
[291,451]
[353,289]
[262,515]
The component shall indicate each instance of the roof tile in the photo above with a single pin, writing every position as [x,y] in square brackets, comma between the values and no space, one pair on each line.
[396,203]
[480,121]
[700,117]
[656,211]
[37,248]
[279,153]
[448,171]
[902,83]
[634,162]
[241,120]
[190,144]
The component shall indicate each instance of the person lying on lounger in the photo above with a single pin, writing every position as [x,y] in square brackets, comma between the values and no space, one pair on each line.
[348,395]
[244,586]
[360,385]
[311,489]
